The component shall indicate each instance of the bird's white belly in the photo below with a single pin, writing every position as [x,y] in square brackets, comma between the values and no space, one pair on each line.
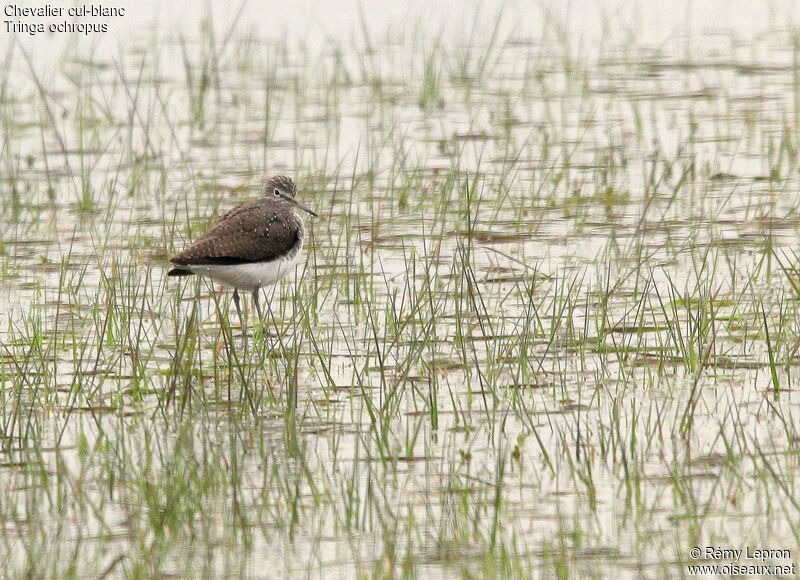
[247,276]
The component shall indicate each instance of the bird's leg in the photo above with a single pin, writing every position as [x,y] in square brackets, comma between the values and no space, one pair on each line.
[258,306]
[241,319]
[238,307]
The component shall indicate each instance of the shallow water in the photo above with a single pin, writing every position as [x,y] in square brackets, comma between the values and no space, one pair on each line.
[545,324]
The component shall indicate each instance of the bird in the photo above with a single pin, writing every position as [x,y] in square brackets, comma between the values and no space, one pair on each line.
[251,246]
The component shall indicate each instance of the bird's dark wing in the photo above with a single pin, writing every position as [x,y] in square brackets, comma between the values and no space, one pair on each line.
[253,232]
[237,210]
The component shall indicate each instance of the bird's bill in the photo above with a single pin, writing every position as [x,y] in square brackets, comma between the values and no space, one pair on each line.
[304,208]
[298,204]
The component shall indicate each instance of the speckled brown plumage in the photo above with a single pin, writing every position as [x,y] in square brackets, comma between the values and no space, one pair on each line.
[259,231]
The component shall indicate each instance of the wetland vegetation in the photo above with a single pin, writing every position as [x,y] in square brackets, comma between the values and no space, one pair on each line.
[547,323]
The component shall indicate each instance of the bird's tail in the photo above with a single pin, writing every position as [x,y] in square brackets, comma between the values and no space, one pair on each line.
[179,272]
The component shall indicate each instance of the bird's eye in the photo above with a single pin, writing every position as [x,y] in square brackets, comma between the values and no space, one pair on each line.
[277,192]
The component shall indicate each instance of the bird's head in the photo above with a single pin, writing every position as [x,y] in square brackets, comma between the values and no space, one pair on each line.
[283,189]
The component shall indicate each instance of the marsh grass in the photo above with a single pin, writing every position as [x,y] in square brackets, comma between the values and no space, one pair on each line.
[546,324]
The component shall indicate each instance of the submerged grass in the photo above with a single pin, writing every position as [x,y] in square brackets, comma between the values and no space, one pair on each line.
[545,327]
